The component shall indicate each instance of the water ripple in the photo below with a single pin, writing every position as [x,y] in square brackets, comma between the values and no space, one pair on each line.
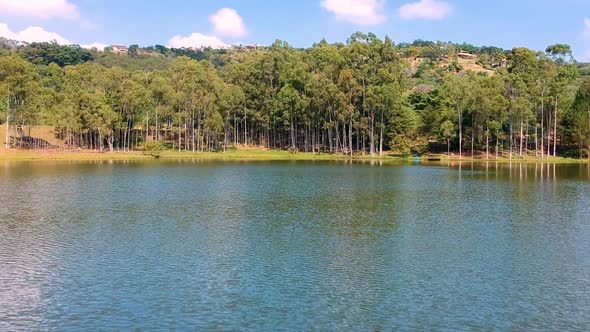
[294,246]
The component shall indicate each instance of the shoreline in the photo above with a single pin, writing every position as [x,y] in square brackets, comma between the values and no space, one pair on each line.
[257,155]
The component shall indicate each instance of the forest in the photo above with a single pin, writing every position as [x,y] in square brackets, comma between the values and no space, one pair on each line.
[367,96]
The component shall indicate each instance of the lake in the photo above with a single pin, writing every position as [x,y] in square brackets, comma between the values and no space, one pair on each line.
[293,246]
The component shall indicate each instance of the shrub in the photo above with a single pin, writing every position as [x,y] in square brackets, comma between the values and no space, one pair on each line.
[153,149]
[408,146]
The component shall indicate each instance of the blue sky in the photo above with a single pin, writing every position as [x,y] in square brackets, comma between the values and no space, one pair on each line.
[505,23]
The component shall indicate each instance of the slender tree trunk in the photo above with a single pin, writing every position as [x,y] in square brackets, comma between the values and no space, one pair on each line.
[313,137]
[350,136]
[372,134]
[381,136]
[193,131]
[344,142]
[7,123]
[555,128]
[473,137]
[110,141]
[137,134]
[526,139]
[360,140]
[186,139]
[292,131]
[536,142]
[157,124]
[487,143]
[225,132]
[124,136]
[245,127]
[179,136]
[130,136]
[147,125]
[543,123]
[460,113]
[511,138]
[497,144]
[198,138]
[99,141]
[521,139]
[335,142]
[549,136]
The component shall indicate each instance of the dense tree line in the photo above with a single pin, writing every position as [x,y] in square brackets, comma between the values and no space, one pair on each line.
[366,96]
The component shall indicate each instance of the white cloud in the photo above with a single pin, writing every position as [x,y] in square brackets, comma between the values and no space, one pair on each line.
[361,12]
[425,9]
[36,34]
[32,34]
[196,40]
[39,8]
[98,46]
[227,22]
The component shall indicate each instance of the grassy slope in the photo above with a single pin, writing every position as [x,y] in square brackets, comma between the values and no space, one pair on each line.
[248,154]
[43,132]
[257,154]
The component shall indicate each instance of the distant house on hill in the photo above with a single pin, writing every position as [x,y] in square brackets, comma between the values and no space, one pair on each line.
[465,55]
[120,49]
[502,63]
[248,47]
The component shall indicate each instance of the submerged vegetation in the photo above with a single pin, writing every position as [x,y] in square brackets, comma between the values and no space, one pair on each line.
[367,96]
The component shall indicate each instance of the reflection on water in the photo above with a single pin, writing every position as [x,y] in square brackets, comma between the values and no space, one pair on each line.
[522,171]
[294,246]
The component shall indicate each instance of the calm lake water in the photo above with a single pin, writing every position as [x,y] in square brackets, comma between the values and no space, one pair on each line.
[293,246]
